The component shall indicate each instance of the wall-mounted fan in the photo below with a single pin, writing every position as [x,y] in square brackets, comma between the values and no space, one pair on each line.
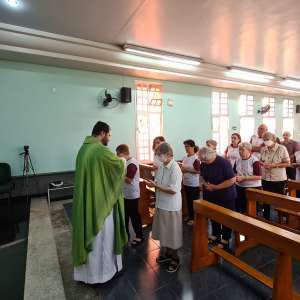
[108,100]
[264,109]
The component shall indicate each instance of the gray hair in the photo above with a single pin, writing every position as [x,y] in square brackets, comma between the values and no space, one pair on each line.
[211,142]
[164,148]
[206,153]
[269,136]
[286,132]
[245,145]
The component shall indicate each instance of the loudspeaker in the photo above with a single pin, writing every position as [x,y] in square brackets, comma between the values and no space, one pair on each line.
[125,95]
[298,109]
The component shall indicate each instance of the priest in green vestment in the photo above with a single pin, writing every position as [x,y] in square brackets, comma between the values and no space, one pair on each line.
[99,233]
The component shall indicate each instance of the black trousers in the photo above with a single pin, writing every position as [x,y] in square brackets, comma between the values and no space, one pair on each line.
[192,193]
[241,199]
[291,173]
[219,229]
[274,187]
[132,212]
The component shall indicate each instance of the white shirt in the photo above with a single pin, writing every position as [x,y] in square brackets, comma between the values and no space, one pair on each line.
[232,154]
[256,142]
[190,179]
[244,167]
[169,176]
[276,155]
[132,190]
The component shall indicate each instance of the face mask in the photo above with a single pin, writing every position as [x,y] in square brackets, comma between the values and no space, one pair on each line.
[162,158]
[269,143]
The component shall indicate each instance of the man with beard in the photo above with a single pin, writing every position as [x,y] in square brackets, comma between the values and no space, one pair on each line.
[99,233]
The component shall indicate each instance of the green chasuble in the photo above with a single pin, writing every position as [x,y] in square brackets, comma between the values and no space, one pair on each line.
[99,181]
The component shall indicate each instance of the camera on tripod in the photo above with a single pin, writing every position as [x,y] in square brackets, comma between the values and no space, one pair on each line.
[27,165]
[26,150]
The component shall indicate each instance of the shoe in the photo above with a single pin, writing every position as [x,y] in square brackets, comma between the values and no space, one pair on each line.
[214,240]
[223,244]
[162,259]
[135,242]
[190,222]
[173,266]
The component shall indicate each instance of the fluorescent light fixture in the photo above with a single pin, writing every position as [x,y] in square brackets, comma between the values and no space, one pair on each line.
[249,75]
[162,55]
[13,3]
[291,83]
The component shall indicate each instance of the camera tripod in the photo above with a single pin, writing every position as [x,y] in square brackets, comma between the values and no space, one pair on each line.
[27,167]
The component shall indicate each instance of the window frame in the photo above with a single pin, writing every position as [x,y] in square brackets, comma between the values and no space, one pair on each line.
[147,113]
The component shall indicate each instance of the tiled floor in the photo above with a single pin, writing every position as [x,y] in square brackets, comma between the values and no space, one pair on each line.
[144,279]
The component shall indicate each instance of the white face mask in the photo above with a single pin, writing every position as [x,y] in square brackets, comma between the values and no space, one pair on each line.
[269,143]
[162,158]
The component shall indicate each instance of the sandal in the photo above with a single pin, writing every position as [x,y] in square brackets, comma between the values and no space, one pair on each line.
[173,266]
[162,259]
[135,242]
[213,240]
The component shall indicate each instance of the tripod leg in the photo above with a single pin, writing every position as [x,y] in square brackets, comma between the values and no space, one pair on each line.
[31,165]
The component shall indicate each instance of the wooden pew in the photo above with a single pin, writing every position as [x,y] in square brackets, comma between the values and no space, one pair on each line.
[292,217]
[278,200]
[147,197]
[285,242]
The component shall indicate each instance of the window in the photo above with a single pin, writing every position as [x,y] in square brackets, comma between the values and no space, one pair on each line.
[269,116]
[149,118]
[220,120]
[288,116]
[247,121]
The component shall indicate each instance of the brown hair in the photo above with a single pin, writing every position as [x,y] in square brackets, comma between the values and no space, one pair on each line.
[159,138]
[238,136]
[191,143]
[123,148]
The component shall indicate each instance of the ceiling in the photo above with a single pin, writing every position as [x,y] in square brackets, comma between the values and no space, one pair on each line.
[256,34]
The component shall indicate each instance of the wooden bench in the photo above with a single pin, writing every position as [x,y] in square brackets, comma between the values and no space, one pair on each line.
[286,216]
[285,242]
[255,196]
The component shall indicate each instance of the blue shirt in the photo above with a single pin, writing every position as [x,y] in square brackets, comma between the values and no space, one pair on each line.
[217,172]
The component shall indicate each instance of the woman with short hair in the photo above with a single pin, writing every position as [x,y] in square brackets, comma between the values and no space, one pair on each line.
[232,150]
[248,175]
[274,160]
[190,168]
[167,221]
[219,189]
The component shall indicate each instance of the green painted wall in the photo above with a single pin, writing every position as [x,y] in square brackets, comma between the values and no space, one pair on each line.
[53,109]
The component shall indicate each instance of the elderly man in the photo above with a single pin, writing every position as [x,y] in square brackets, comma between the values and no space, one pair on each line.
[219,189]
[98,210]
[292,147]
[257,141]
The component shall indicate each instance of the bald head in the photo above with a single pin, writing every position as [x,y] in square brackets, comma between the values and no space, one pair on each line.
[261,130]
